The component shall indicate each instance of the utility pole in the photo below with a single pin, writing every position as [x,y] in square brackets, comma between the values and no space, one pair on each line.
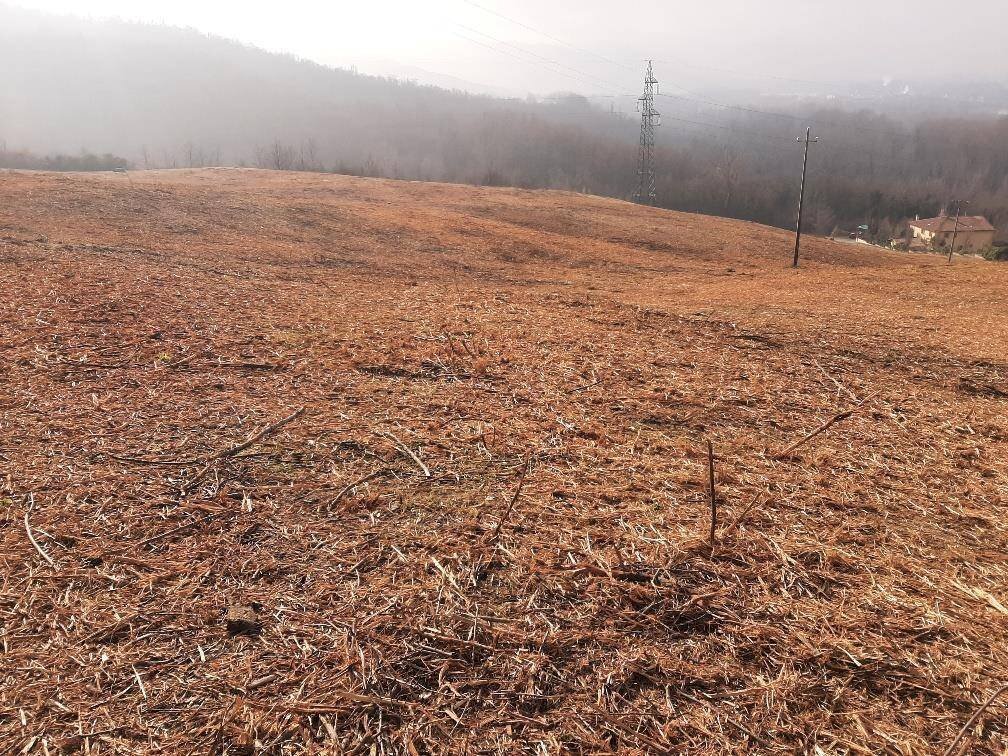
[955,229]
[801,194]
[646,194]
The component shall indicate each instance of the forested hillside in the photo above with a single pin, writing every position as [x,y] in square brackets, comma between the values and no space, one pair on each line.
[167,97]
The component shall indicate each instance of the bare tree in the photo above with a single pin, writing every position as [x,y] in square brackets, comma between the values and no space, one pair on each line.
[309,156]
[282,156]
[728,172]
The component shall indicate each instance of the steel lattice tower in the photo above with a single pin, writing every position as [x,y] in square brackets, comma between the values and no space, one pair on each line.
[649,119]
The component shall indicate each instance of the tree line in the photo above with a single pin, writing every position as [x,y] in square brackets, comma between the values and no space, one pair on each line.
[865,169]
[85,161]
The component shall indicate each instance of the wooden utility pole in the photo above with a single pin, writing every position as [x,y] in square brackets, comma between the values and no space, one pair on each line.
[801,194]
[955,229]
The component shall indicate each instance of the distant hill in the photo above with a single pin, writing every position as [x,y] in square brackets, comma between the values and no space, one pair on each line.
[168,97]
[164,96]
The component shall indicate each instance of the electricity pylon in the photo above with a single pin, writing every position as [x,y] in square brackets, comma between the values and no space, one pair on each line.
[650,118]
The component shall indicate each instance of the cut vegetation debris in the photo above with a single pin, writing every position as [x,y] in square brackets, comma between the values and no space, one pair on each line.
[489,529]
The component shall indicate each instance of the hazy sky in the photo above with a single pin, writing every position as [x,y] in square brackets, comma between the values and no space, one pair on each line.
[598,46]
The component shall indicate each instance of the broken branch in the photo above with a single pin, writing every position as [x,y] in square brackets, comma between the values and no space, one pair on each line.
[36,544]
[822,428]
[965,728]
[405,450]
[269,430]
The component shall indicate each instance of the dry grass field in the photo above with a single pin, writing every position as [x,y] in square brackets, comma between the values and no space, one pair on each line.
[485,525]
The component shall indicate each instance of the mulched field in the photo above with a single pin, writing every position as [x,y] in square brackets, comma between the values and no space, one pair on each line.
[298,464]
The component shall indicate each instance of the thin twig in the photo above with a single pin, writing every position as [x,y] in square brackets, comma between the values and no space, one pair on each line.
[143,690]
[154,462]
[261,682]
[338,695]
[822,428]
[180,528]
[360,481]
[38,547]
[269,430]
[840,386]
[757,499]
[712,492]
[976,715]
[403,449]
[514,499]
[238,448]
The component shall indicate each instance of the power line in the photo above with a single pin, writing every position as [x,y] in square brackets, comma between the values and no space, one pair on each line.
[859,146]
[749,135]
[582,74]
[688,64]
[688,95]
[583,77]
[815,82]
[778,148]
[757,136]
[547,35]
[695,98]
[745,74]
[594,95]
[691,96]
[746,109]
[516,57]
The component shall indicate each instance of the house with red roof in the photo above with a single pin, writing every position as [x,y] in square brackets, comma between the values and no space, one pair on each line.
[973,233]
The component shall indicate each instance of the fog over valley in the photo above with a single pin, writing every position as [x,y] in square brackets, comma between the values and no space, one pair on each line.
[522,95]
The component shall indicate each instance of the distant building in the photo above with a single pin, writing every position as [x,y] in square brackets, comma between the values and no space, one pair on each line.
[975,233]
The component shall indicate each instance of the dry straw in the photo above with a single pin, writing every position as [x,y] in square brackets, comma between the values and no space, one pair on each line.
[489,530]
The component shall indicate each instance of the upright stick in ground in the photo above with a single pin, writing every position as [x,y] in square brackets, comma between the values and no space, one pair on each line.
[711,491]
[514,499]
